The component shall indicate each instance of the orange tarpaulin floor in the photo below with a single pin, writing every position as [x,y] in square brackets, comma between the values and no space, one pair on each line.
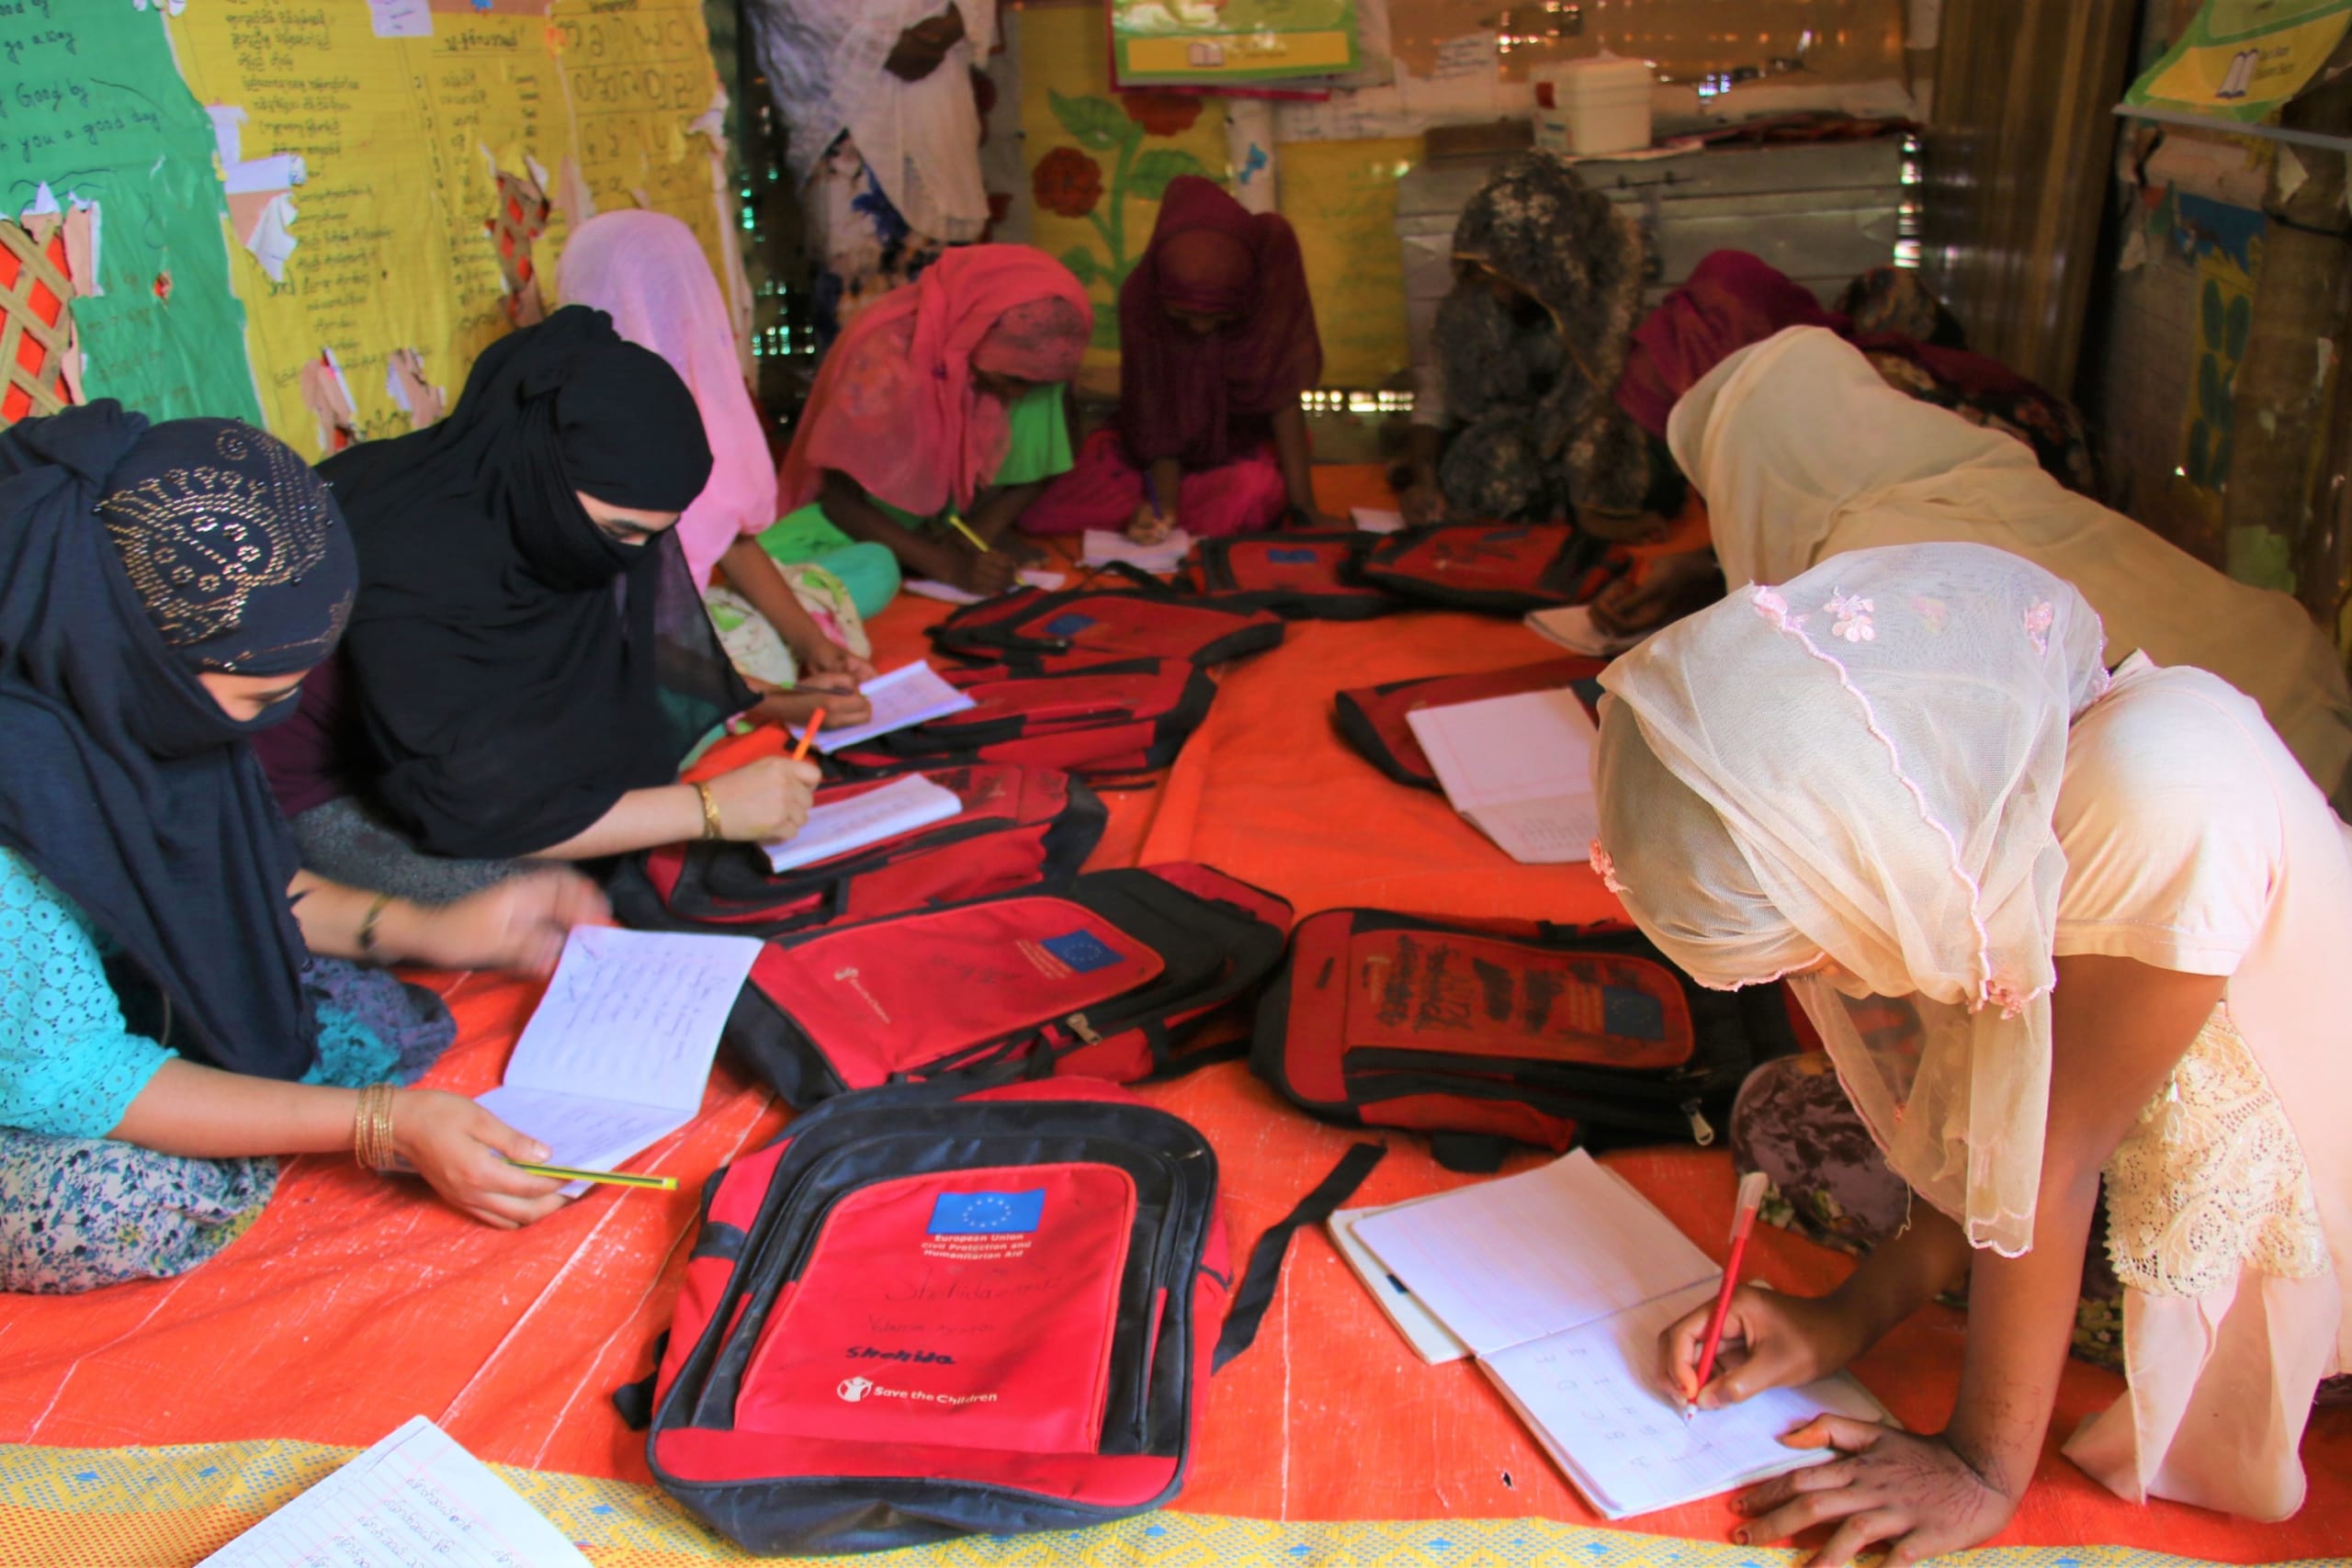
[358,1302]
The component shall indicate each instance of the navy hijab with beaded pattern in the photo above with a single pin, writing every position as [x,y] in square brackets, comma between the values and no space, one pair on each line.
[133,559]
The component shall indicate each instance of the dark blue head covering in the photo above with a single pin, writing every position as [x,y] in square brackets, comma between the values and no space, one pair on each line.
[132,557]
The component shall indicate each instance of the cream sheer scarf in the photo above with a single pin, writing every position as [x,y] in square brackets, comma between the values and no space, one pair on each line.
[1862,766]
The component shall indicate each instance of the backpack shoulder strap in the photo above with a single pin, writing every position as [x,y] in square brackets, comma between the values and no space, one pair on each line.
[1259,1281]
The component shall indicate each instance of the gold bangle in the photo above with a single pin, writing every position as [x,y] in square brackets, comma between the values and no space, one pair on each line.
[371,1128]
[711,828]
[367,924]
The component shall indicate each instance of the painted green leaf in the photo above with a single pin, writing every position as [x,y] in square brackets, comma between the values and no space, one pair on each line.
[1148,179]
[1107,326]
[2221,465]
[2200,442]
[2240,322]
[2209,389]
[1082,262]
[1096,124]
[2209,304]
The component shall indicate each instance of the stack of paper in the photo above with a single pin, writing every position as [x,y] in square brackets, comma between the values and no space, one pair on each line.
[618,1050]
[1102,547]
[900,806]
[907,697]
[1560,1281]
[948,593]
[414,1498]
[1519,767]
[1572,627]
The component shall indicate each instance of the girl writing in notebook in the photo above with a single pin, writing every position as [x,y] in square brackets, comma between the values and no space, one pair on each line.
[178,1002]
[940,415]
[2050,924]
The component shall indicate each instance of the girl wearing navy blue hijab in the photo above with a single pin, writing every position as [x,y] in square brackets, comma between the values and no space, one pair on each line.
[176,1000]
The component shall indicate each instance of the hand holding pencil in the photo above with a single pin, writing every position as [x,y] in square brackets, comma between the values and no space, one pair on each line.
[1764,1339]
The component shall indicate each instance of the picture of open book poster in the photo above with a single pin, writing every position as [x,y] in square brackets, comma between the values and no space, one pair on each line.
[1521,768]
[616,1054]
[905,697]
[1560,1280]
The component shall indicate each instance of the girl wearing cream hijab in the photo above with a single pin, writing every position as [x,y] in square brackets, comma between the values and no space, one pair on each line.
[1803,453]
[2051,925]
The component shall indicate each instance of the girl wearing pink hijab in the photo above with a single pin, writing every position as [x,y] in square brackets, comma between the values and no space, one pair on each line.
[944,401]
[1217,342]
[647,271]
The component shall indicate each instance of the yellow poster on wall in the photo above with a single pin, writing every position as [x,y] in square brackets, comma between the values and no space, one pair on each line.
[400,176]
[1341,197]
[1099,160]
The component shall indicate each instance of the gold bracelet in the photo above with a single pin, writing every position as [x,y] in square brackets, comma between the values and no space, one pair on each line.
[371,1128]
[367,924]
[710,824]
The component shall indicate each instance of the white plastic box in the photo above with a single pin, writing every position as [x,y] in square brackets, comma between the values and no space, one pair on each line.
[1600,105]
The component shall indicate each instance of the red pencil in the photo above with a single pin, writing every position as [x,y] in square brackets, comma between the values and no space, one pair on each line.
[808,735]
[1743,1222]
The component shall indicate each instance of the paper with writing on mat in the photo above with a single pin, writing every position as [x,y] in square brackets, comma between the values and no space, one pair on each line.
[1560,1279]
[618,1050]
[1521,768]
[948,593]
[907,697]
[1101,547]
[898,806]
[414,1498]
[1377,520]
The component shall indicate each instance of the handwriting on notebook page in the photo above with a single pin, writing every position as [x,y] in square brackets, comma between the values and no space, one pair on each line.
[633,1016]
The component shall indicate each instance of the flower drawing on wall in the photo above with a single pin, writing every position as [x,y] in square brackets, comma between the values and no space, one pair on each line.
[1070,182]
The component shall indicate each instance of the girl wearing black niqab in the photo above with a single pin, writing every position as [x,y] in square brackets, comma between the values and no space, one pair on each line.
[166,1021]
[530,663]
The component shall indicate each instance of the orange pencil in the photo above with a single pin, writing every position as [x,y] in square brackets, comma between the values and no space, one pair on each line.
[1743,1222]
[808,735]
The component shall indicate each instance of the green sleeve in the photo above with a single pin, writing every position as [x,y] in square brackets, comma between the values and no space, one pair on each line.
[1040,445]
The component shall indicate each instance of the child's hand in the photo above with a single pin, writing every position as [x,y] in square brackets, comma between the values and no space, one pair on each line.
[1148,527]
[824,658]
[1770,1341]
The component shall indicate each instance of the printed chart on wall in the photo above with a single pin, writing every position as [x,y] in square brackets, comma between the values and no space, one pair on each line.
[1341,197]
[114,281]
[1201,42]
[2241,58]
[398,177]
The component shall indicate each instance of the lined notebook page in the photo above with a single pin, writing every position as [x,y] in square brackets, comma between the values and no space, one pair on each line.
[1593,1395]
[898,806]
[417,1497]
[907,697]
[1507,1261]
[1521,768]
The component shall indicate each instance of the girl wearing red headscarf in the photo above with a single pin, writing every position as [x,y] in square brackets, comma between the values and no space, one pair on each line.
[944,399]
[1217,342]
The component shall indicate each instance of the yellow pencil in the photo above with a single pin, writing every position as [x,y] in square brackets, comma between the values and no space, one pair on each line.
[609,1177]
[957,523]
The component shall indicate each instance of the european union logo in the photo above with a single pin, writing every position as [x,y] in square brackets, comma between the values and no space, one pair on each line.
[988,1213]
[1081,950]
[1069,622]
[1290,555]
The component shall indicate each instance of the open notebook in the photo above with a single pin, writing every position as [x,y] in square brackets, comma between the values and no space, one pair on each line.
[1519,767]
[417,1497]
[618,1052]
[1559,1281]
[908,695]
[868,818]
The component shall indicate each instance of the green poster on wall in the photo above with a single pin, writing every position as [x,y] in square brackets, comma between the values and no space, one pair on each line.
[2241,58]
[1202,42]
[93,111]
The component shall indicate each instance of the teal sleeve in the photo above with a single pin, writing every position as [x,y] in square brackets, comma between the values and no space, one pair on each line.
[69,1067]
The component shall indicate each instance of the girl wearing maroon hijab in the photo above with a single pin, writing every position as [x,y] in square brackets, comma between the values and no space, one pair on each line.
[1217,342]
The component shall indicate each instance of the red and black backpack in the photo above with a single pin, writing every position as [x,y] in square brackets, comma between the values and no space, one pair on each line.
[1479,1031]
[1371,718]
[1099,720]
[914,1318]
[1300,576]
[1120,974]
[1504,569]
[1018,826]
[1136,617]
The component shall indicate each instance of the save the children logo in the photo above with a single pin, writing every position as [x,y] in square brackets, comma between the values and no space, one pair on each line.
[856,1391]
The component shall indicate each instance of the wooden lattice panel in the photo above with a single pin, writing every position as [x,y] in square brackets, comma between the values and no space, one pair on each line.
[36,323]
